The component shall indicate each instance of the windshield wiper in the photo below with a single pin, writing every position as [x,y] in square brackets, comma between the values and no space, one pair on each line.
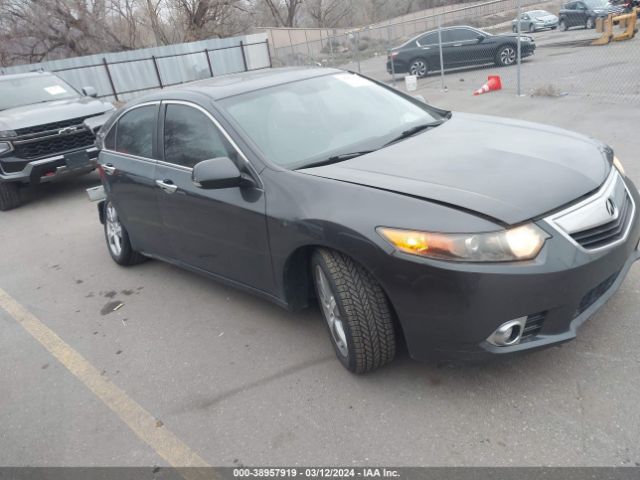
[412,131]
[335,159]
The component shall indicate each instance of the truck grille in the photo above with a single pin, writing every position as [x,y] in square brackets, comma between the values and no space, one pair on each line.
[51,127]
[607,233]
[54,145]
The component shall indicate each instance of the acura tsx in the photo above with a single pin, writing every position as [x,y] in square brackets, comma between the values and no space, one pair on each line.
[467,236]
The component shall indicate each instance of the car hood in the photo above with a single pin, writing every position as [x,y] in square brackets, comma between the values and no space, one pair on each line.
[49,112]
[508,170]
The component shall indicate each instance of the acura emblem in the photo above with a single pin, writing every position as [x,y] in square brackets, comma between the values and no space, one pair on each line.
[65,130]
[611,207]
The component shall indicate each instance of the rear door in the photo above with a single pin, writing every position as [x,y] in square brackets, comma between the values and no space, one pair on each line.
[129,162]
[466,48]
[221,231]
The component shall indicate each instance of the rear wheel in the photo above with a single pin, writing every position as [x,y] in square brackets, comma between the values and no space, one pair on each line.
[9,195]
[419,67]
[356,311]
[506,55]
[117,239]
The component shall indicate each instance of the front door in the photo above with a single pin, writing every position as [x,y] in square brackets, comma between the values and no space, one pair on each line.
[221,231]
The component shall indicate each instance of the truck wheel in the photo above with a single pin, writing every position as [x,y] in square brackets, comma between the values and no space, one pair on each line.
[356,310]
[9,196]
[117,239]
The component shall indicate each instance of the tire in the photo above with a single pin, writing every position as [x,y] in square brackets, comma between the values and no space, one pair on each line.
[563,26]
[9,196]
[507,55]
[532,28]
[590,23]
[514,29]
[419,67]
[356,310]
[117,239]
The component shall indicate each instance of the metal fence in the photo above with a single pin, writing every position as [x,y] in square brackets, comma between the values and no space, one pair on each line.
[564,62]
[118,78]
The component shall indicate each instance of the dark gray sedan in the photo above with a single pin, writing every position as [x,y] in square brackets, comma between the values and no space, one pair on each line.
[463,236]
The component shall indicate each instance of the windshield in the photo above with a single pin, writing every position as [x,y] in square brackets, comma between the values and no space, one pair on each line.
[538,13]
[300,123]
[597,3]
[27,90]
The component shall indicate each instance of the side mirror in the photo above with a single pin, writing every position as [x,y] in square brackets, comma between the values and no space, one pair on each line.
[89,92]
[480,38]
[218,172]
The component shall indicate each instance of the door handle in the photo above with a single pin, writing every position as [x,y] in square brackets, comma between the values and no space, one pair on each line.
[167,185]
[109,169]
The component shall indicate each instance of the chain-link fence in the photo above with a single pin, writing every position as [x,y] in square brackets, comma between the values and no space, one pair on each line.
[556,56]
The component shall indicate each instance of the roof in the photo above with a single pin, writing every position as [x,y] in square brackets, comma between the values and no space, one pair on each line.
[237,83]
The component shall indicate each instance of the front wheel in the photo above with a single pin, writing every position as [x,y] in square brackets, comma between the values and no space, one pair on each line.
[9,195]
[506,56]
[591,23]
[532,28]
[563,26]
[117,239]
[419,68]
[356,311]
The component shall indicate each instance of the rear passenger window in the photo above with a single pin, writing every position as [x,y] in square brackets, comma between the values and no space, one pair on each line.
[428,39]
[135,131]
[191,137]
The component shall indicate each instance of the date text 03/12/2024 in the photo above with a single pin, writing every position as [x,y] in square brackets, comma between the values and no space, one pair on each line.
[369,472]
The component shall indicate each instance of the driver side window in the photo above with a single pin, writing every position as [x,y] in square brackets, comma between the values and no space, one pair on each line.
[191,137]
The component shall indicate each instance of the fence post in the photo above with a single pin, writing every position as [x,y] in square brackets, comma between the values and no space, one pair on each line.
[390,50]
[358,50]
[244,57]
[442,86]
[113,87]
[155,65]
[518,88]
[206,54]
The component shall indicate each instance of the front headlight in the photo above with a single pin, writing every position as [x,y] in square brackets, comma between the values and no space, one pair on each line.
[7,133]
[618,165]
[514,244]
[5,147]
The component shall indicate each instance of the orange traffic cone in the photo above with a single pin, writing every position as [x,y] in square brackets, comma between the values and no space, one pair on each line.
[493,83]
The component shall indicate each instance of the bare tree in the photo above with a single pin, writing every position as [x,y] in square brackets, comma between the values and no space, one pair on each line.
[327,13]
[284,11]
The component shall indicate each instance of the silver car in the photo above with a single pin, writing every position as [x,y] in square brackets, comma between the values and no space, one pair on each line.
[535,20]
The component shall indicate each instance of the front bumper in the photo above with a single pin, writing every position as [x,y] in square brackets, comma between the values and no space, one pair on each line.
[50,169]
[448,310]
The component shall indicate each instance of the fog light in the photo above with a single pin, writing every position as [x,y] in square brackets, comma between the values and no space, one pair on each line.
[509,333]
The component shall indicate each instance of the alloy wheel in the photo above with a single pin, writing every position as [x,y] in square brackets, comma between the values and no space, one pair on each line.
[331,312]
[508,56]
[114,230]
[418,68]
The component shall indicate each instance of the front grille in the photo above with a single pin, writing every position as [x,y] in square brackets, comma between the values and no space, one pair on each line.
[51,126]
[533,325]
[55,145]
[607,233]
[595,293]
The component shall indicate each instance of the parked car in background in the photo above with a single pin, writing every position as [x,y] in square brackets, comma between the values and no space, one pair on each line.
[47,131]
[535,20]
[583,13]
[470,236]
[461,46]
